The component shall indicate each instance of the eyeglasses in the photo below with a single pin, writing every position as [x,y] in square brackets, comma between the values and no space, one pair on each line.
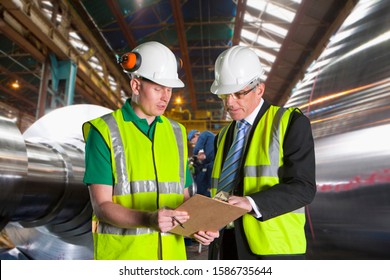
[236,95]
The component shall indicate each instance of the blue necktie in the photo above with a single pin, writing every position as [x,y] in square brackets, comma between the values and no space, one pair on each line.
[232,162]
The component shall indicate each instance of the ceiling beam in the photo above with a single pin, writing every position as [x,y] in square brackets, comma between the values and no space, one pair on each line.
[22,81]
[277,91]
[166,24]
[30,16]
[20,40]
[96,41]
[179,23]
[125,28]
[239,21]
[11,28]
[18,96]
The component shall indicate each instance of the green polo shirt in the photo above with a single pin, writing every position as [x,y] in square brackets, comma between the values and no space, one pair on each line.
[97,153]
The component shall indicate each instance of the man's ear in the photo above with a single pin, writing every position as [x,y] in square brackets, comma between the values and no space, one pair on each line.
[261,89]
[135,86]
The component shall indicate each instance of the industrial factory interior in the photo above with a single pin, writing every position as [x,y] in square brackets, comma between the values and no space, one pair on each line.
[58,69]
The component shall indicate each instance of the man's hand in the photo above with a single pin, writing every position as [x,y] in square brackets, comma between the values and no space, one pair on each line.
[164,219]
[201,156]
[240,201]
[206,237]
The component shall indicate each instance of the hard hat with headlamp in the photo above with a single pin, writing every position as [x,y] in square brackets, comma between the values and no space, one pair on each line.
[153,61]
[236,68]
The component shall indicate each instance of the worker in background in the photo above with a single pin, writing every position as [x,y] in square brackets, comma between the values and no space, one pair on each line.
[136,165]
[203,158]
[265,161]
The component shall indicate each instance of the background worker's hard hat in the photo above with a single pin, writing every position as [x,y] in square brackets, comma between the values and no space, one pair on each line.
[155,62]
[191,134]
[235,68]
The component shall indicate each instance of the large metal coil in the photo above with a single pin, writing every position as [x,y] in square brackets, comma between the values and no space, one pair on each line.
[44,206]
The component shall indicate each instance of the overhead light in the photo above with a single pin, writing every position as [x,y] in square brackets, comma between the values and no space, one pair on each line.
[15,84]
[178,100]
[139,3]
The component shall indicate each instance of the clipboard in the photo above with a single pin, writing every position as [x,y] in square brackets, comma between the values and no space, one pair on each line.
[206,214]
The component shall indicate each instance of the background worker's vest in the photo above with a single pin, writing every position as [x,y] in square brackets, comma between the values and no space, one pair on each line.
[147,176]
[283,234]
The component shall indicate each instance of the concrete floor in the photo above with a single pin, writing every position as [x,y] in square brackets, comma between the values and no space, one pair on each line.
[194,252]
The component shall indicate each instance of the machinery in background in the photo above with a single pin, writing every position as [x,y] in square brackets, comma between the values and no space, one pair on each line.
[45,210]
[346,94]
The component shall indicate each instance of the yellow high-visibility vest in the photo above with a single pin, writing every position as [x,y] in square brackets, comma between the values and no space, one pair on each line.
[148,175]
[283,234]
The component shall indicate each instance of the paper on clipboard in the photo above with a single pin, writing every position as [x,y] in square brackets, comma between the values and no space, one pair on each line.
[206,214]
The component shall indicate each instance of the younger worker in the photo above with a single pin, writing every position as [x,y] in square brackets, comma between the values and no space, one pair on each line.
[136,165]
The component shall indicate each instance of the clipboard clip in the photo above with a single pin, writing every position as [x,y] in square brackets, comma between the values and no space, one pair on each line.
[223,196]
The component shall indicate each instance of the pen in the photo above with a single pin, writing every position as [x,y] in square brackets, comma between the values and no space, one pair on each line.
[180,224]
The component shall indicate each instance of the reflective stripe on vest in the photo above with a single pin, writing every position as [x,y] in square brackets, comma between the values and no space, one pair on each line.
[180,144]
[120,163]
[271,170]
[263,160]
[125,187]
[152,180]
[108,229]
[119,155]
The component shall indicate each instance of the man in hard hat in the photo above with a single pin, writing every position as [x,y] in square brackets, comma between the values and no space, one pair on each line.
[136,165]
[273,177]
[203,155]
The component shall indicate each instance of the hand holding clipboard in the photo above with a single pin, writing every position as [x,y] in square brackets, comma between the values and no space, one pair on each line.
[206,214]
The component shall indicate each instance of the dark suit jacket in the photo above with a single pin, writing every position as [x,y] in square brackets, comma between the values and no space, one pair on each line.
[297,185]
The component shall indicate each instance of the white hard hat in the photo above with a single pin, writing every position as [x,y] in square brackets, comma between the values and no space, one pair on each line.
[235,68]
[155,62]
